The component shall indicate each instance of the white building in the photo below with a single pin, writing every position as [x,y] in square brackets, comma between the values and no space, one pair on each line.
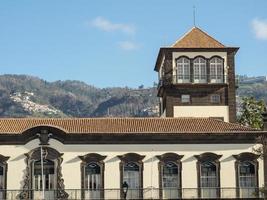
[193,151]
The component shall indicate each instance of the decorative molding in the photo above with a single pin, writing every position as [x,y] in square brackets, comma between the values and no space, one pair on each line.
[34,155]
[237,137]
[170,157]
[92,157]
[246,156]
[204,157]
[44,136]
[131,157]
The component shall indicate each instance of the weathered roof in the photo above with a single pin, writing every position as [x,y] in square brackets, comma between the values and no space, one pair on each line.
[123,125]
[196,38]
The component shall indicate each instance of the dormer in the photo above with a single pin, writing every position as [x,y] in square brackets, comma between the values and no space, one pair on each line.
[196,61]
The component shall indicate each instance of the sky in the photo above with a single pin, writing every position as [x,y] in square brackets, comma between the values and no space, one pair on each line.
[110,43]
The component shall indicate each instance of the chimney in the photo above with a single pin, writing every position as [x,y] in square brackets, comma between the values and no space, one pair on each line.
[264,117]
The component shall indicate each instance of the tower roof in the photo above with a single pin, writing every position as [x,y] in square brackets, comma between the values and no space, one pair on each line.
[196,38]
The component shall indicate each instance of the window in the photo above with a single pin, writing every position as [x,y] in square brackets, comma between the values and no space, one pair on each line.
[131,170]
[48,175]
[208,167]
[216,70]
[200,70]
[3,173]
[183,70]
[92,167]
[131,177]
[52,175]
[170,176]
[215,98]
[247,175]
[185,98]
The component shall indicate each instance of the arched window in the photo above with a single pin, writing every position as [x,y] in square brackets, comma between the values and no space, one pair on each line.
[52,175]
[131,168]
[246,175]
[208,179]
[183,70]
[200,70]
[208,167]
[216,70]
[131,175]
[92,167]
[170,176]
[49,178]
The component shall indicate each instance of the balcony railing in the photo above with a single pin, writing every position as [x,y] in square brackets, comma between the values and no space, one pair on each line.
[146,193]
[196,79]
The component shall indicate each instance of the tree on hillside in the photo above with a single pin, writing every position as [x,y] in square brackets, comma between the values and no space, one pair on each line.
[251,112]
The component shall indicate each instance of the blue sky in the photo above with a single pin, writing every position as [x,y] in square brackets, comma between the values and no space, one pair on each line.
[115,43]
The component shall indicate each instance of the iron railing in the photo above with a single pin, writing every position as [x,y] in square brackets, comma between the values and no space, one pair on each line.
[146,193]
[196,79]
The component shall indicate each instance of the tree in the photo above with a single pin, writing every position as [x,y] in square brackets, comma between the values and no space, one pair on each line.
[251,112]
[251,115]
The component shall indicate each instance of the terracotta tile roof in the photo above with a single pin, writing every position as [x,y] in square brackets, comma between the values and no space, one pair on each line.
[123,125]
[196,38]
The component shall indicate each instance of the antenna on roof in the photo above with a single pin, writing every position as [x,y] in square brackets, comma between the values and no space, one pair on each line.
[194,15]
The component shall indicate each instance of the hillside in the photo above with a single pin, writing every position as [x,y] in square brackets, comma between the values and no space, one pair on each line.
[22,95]
[27,96]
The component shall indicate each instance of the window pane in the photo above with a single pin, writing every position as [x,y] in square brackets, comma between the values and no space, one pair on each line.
[208,175]
[48,175]
[247,175]
[200,71]
[170,175]
[131,175]
[183,68]
[185,98]
[92,176]
[216,68]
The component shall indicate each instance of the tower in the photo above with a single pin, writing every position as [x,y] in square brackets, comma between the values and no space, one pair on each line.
[197,78]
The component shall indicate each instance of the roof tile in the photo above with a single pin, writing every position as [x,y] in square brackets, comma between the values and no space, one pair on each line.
[196,38]
[123,125]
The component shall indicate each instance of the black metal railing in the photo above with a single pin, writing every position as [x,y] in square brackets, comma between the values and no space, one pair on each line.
[196,79]
[146,193]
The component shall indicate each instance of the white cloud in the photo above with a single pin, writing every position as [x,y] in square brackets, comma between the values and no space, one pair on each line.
[106,25]
[260,28]
[128,45]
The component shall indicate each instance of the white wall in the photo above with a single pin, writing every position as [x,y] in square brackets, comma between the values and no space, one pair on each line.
[202,111]
[71,163]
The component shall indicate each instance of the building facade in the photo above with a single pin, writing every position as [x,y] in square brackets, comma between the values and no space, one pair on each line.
[193,151]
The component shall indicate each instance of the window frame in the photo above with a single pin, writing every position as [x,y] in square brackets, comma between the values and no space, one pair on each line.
[176,159]
[185,95]
[99,160]
[213,158]
[197,67]
[4,165]
[212,100]
[183,68]
[216,80]
[138,160]
[35,155]
[252,159]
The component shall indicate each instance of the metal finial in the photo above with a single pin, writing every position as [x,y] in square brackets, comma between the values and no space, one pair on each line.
[194,15]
